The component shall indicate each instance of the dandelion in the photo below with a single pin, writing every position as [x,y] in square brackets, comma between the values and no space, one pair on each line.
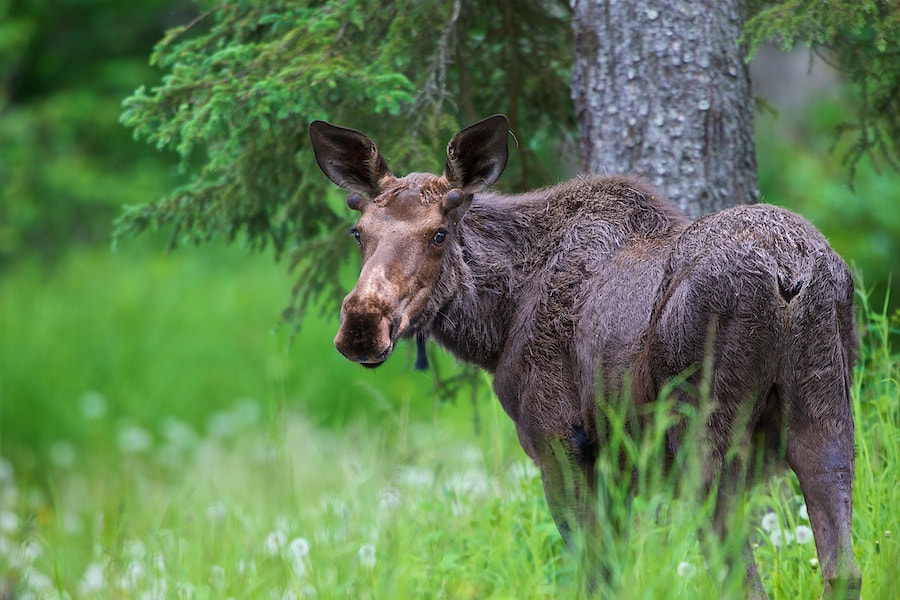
[134,440]
[803,534]
[471,482]
[92,405]
[93,581]
[27,552]
[216,512]
[133,574]
[472,454]
[686,570]
[803,513]
[217,576]
[814,564]
[178,433]
[299,550]
[184,591]
[246,412]
[275,542]
[389,498]
[221,425]
[366,556]
[6,471]
[415,477]
[159,563]
[9,522]
[770,522]
[246,567]
[780,537]
[62,454]
[523,471]
[134,549]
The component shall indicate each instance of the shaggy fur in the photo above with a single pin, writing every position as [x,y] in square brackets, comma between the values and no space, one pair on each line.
[599,284]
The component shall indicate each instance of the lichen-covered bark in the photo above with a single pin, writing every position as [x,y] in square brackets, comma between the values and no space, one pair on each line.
[661,90]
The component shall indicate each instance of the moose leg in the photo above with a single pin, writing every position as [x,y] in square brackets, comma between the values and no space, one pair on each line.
[721,521]
[822,456]
[570,489]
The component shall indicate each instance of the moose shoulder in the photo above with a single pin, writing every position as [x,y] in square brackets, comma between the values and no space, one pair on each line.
[600,278]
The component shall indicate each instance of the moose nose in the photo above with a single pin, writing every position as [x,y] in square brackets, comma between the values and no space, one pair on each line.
[365,338]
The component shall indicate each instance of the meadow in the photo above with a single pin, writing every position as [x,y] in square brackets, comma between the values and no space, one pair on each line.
[163,438]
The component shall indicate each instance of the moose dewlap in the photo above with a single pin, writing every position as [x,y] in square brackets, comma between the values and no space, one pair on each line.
[596,282]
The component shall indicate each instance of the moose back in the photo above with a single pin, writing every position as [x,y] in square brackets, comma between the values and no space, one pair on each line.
[599,278]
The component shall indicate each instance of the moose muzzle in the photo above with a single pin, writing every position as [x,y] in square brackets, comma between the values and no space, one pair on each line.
[368,330]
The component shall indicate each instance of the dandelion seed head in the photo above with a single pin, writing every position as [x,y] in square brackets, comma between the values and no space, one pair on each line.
[803,513]
[216,512]
[814,563]
[35,581]
[92,405]
[299,547]
[94,579]
[770,522]
[7,474]
[184,591]
[134,549]
[62,454]
[274,543]
[133,439]
[780,537]
[178,433]
[366,556]
[246,567]
[415,477]
[27,552]
[803,534]
[9,522]
[686,570]
[389,498]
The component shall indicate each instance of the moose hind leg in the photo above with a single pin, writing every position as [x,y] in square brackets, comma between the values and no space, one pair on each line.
[822,456]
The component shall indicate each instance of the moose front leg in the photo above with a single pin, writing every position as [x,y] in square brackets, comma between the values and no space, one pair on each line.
[823,459]
[567,464]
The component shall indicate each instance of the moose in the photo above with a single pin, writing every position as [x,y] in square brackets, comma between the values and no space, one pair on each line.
[598,283]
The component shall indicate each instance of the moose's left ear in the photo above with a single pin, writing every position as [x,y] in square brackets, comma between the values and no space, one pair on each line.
[477,155]
[349,158]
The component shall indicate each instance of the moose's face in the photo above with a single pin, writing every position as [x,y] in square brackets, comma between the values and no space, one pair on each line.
[405,226]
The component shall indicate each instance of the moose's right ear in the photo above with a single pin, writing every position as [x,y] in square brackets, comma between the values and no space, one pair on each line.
[349,158]
[477,155]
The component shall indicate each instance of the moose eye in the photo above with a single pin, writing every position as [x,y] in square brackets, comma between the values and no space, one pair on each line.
[356,236]
[439,237]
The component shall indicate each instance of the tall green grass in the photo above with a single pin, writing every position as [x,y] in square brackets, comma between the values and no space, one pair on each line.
[160,441]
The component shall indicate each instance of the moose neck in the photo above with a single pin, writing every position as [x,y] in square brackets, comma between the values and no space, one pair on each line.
[473,304]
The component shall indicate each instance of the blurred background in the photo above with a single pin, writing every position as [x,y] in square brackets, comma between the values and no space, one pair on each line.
[97,343]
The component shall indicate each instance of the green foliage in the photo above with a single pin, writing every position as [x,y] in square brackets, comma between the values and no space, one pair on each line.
[861,38]
[862,224]
[209,460]
[243,80]
[66,165]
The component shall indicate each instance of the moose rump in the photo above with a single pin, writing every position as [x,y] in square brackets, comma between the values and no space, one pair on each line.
[598,277]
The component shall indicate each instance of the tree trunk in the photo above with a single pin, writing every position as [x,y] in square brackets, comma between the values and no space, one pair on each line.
[661,90]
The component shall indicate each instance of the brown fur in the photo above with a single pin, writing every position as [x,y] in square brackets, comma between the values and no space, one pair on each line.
[598,283]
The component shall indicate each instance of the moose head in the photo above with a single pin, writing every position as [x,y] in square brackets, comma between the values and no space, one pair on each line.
[405,227]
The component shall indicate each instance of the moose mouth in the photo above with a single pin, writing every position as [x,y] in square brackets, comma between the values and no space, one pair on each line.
[355,342]
[379,360]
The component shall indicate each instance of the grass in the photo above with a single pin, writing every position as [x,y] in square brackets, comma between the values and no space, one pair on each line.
[161,441]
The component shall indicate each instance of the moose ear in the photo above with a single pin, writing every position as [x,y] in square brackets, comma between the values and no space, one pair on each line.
[477,155]
[349,158]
